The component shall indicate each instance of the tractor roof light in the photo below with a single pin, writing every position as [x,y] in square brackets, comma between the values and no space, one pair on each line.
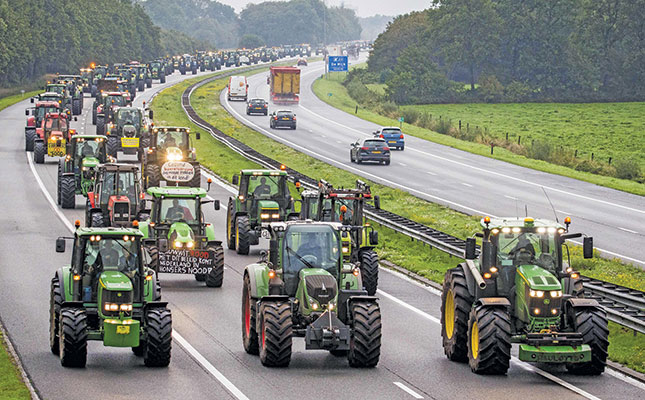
[77,223]
[283,167]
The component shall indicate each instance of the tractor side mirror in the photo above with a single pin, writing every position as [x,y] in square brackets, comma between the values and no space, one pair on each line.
[374,238]
[216,205]
[75,119]
[60,245]
[236,180]
[377,202]
[32,99]
[471,247]
[197,135]
[273,252]
[163,244]
[587,247]
[151,114]
[27,112]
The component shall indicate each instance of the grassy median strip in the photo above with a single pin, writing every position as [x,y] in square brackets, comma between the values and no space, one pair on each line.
[394,247]
[11,100]
[11,385]
[340,99]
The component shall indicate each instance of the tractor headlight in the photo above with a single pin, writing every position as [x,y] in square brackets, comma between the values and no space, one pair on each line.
[536,293]
[345,250]
[314,306]
[190,244]
[178,244]
[126,307]
[264,216]
[85,169]
[275,216]
[111,307]
[556,293]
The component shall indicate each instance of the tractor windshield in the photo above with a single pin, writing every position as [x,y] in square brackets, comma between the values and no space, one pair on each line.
[179,210]
[118,184]
[115,100]
[60,89]
[172,139]
[56,124]
[100,71]
[309,246]
[267,187]
[89,148]
[42,111]
[527,247]
[129,116]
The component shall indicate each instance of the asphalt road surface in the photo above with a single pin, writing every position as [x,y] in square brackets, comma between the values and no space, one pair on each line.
[460,180]
[208,360]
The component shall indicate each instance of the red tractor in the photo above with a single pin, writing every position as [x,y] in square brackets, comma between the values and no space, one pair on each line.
[36,115]
[52,137]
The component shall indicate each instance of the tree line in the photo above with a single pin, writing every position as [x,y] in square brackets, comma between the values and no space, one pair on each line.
[44,36]
[514,50]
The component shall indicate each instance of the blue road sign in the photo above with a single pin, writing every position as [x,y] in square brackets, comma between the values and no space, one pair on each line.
[337,63]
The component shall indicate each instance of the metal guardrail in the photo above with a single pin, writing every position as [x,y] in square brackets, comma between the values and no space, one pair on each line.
[623,305]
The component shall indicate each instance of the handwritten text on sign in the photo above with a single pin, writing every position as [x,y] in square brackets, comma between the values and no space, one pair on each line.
[177,171]
[186,261]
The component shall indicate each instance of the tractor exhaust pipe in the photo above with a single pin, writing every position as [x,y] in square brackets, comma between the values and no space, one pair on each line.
[478,277]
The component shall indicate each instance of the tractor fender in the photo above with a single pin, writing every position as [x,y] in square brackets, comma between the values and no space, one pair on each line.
[577,302]
[210,233]
[72,304]
[493,302]
[470,280]
[155,304]
[38,138]
[348,297]
[259,279]
[61,275]
[215,243]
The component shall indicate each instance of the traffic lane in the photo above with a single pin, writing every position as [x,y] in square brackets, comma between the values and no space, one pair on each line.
[619,235]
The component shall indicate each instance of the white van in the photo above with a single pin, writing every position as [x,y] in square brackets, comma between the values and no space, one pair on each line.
[238,88]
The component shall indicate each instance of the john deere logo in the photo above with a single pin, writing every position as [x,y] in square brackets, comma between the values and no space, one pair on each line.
[547,301]
[119,295]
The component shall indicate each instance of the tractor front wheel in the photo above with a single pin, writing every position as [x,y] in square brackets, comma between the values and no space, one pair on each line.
[67,191]
[100,125]
[365,342]
[456,303]
[55,302]
[112,145]
[230,225]
[216,276]
[592,324]
[369,271]
[39,152]
[489,340]
[73,337]
[76,107]
[275,334]
[158,344]
[242,231]
[249,332]
[196,180]
[153,175]
[30,137]
[97,220]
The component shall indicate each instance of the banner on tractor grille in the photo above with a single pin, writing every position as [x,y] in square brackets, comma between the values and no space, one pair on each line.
[177,171]
[186,261]
[129,142]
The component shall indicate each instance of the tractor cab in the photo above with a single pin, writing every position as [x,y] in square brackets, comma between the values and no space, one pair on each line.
[76,172]
[52,137]
[60,88]
[50,97]
[128,131]
[115,198]
[107,294]
[171,157]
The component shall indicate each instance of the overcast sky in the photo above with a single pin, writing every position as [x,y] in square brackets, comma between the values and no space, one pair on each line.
[364,8]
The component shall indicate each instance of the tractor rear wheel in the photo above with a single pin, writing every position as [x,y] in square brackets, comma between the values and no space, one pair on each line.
[369,270]
[230,225]
[158,344]
[153,175]
[339,353]
[39,152]
[149,83]
[30,136]
[365,342]
[67,191]
[100,125]
[456,303]
[154,258]
[275,334]
[97,220]
[200,277]
[216,276]
[196,180]
[94,91]
[55,302]
[162,79]
[242,239]
[76,106]
[73,337]
[61,167]
[112,145]
[592,324]
[489,340]
[141,85]
[93,116]
[249,332]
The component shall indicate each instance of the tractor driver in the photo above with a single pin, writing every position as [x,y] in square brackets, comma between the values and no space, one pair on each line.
[262,189]
[169,141]
[87,150]
[178,211]
[523,252]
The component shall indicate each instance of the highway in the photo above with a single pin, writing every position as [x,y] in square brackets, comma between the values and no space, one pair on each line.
[208,360]
[460,180]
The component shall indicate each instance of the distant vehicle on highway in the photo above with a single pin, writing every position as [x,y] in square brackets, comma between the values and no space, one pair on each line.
[302,62]
[238,88]
[375,149]
[257,106]
[283,118]
[392,136]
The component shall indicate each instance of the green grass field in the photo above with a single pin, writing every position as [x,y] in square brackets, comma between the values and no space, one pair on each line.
[11,100]
[394,247]
[11,385]
[341,100]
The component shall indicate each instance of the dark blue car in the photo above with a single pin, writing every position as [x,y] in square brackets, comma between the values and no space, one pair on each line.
[392,136]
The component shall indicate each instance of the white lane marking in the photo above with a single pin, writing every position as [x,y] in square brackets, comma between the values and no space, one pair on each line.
[466,184]
[190,349]
[614,254]
[625,378]
[515,360]
[431,173]
[563,212]
[217,180]
[403,165]
[486,170]
[510,197]
[338,141]
[347,167]
[209,367]
[408,390]
[627,230]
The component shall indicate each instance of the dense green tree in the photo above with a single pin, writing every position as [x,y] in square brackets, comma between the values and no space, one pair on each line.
[250,41]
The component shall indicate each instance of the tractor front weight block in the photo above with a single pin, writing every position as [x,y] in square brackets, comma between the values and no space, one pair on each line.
[121,333]
[555,354]
[327,333]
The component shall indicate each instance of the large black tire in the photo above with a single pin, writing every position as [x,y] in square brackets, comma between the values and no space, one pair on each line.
[456,303]
[93,115]
[94,91]
[141,85]
[39,152]
[77,105]
[275,334]
[73,337]
[112,145]
[97,220]
[154,258]
[60,174]
[200,277]
[242,233]
[365,342]
[196,181]
[162,79]
[158,344]
[369,270]
[592,324]
[100,125]
[216,276]
[149,83]
[153,175]
[230,225]
[55,302]
[489,340]
[30,137]
[67,191]
[249,332]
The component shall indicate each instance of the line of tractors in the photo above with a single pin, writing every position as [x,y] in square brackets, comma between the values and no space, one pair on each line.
[319,277]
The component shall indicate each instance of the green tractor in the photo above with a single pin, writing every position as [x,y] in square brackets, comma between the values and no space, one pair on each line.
[98,72]
[171,158]
[75,89]
[304,288]
[77,170]
[177,238]
[346,206]
[157,70]
[107,294]
[519,290]
[263,197]
[61,89]
[128,131]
